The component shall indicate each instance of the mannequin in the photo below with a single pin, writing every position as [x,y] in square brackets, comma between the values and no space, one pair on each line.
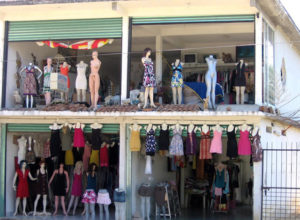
[256,131]
[149,81]
[119,200]
[211,80]
[81,82]
[22,188]
[94,79]
[30,87]
[240,81]
[64,70]
[191,128]
[219,183]
[218,128]
[42,188]
[245,127]
[46,86]
[104,201]
[145,191]
[22,141]
[76,186]
[164,126]
[30,155]
[89,196]
[150,147]
[177,81]
[230,127]
[61,187]
[205,128]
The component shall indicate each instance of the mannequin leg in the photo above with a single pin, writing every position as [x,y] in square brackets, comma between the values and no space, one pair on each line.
[56,205]
[143,200]
[148,207]
[35,203]
[92,89]
[208,90]
[87,210]
[179,90]
[70,203]
[62,200]
[97,87]
[151,97]
[213,92]
[101,211]
[66,95]
[146,96]
[237,97]
[48,98]
[24,206]
[83,95]
[243,94]
[174,91]
[17,205]
[27,101]
[75,204]
[117,206]
[164,211]
[106,212]
[78,93]
[92,209]
[44,204]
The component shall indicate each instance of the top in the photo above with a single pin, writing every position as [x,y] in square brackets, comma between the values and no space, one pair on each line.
[65,71]
[104,157]
[91,182]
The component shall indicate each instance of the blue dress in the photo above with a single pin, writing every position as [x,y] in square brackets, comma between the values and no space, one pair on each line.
[177,80]
[150,143]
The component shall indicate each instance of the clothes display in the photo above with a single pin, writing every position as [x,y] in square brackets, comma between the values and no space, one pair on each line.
[205,143]
[149,75]
[69,158]
[86,156]
[81,81]
[244,145]
[95,157]
[104,161]
[46,151]
[216,143]
[77,185]
[164,140]
[29,87]
[145,191]
[89,197]
[22,187]
[177,80]
[55,143]
[78,140]
[240,79]
[256,148]
[148,167]
[65,71]
[113,153]
[59,186]
[96,139]
[232,150]
[150,143]
[42,184]
[135,141]
[30,155]
[46,84]
[66,138]
[191,144]
[103,198]
[176,146]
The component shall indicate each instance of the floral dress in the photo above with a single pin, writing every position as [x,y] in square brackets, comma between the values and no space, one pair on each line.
[176,146]
[177,80]
[149,76]
[30,82]
[150,143]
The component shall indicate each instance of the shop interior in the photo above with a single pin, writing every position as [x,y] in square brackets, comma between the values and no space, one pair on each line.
[189,178]
[227,42]
[20,54]
[99,146]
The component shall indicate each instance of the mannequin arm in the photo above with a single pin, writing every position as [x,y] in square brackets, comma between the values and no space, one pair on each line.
[21,70]
[31,178]
[67,178]
[52,177]
[14,181]
[38,69]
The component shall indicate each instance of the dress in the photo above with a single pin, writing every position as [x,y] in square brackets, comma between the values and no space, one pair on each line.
[176,146]
[42,184]
[77,185]
[150,143]
[164,140]
[86,157]
[191,144]
[59,187]
[30,82]
[205,146]
[216,143]
[65,71]
[55,143]
[96,139]
[22,187]
[30,155]
[78,140]
[244,146]
[149,76]
[66,138]
[46,84]
[81,81]
[104,156]
[46,152]
[148,167]
[240,79]
[95,157]
[256,148]
[69,157]
[177,80]
[135,141]
[231,144]
[113,154]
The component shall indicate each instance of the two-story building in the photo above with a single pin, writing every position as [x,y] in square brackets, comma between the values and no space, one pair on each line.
[261,33]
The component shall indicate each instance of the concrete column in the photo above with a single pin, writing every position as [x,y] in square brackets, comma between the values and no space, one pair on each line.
[257,173]
[3,170]
[2,34]
[258,60]
[122,157]
[125,40]
[158,59]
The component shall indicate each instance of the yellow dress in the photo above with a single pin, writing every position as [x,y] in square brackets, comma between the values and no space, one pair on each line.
[135,141]
[95,157]
[69,157]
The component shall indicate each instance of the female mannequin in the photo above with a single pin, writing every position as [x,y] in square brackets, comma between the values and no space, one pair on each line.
[96,143]
[177,81]
[64,70]
[78,140]
[211,80]
[164,140]
[191,128]
[176,146]
[240,81]
[46,86]
[149,80]
[30,83]
[205,143]
[219,183]
[104,201]
[22,188]
[66,144]
[42,187]
[81,82]
[119,200]
[61,187]
[145,191]
[30,156]
[232,150]
[230,127]
[94,79]
[76,186]
[22,141]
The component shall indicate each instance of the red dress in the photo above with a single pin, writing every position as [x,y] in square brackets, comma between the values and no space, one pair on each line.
[205,146]
[78,140]
[65,71]
[22,188]
[103,157]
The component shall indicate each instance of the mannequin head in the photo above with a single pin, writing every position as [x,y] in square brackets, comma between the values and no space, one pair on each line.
[23,164]
[92,168]
[211,56]
[61,166]
[95,55]
[65,63]
[78,166]
[147,52]
[177,61]
[42,164]
[49,61]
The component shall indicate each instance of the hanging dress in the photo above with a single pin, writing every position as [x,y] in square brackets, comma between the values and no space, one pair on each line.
[86,157]
[30,82]
[22,187]
[256,148]
[205,146]
[232,150]
[149,76]
[191,144]
[96,144]
[46,84]
[216,143]
[78,140]
[177,79]
[104,156]
[66,145]
[65,71]
[77,185]
[164,140]
[30,155]
[55,143]
[176,146]
[135,141]
[81,81]
[150,143]
[244,146]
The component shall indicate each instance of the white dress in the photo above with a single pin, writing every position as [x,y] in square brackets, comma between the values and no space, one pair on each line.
[148,168]
[22,149]
[81,82]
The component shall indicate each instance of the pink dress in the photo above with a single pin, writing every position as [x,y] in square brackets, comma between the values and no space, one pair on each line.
[244,146]
[86,156]
[77,185]
[216,143]
[78,140]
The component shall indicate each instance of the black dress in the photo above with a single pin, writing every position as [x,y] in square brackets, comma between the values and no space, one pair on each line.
[55,143]
[59,187]
[164,140]
[232,149]
[96,139]
[42,184]
[240,79]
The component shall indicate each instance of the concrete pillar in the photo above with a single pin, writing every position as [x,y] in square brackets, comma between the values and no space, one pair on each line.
[158,59]
[2,34]
[258,60]
[125,40]
[122,157]
[2,170]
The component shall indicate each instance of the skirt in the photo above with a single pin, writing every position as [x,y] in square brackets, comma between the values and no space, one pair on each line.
[103,198]
[218,191]
[145,191]
[119,196]
[89,196]
[95,157]
[69,157]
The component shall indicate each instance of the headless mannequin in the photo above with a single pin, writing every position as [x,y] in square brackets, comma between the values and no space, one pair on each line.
[55,126]
[47,69]
[94,79]
[22,141]
[29,67]
[145,203]
[245,127]
[90,207]
[81,82]
[43,171]
[211,80]
[240,86]
[205,128]
[230,128]
[148,90]
[191,128]
[178,89]
[135,127]
[65,94]
[218,128]
[255,131]
[103,207]
[96,126]
[120,208]
[220,167]
[164,126]
[23,165]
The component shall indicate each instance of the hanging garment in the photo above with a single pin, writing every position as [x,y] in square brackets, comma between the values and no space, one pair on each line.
[46,84]
[96,139]
[86,157]
[176,146]
[81,81]
[219,182]
[164,140]
[148,167]
[60,185]
[191,144]
[30,156]
[104,156]
[78,138]
[135,141]
[69,158]
[103,198]
[256,148]
[160,195]
[177,79]
[244,146]
[149,75]
[232,150]
[22,187]
[77,185]
[240,79]
[55,143]
[65,71]
[113,153]
[205,143]
[29,86]
[66,138]
[150,143]
[216,143]
[46,152]
[95,157]
[42,184]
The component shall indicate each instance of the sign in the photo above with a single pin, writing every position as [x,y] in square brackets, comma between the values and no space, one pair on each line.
[58,82]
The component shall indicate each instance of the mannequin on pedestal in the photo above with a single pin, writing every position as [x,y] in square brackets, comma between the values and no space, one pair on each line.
[94,79]
[64,70]
[46,86]
[177,81]
[211,80]
[81,82]
[240,81]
